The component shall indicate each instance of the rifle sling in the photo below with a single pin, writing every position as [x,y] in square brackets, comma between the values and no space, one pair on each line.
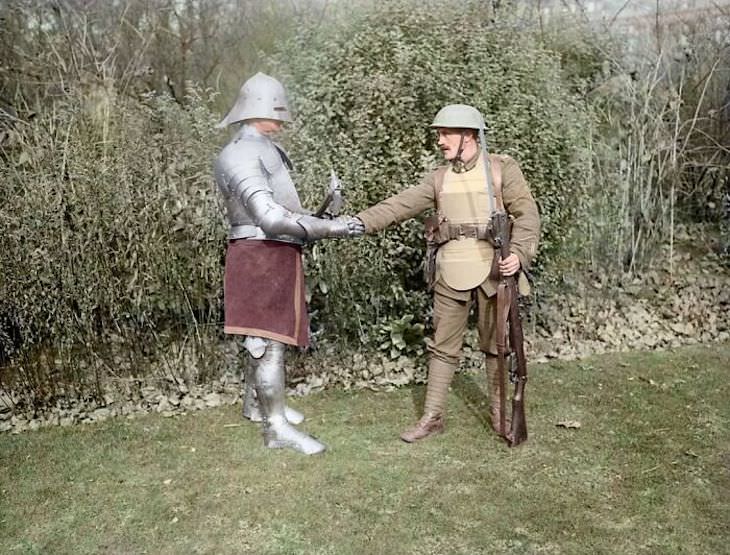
[503,307]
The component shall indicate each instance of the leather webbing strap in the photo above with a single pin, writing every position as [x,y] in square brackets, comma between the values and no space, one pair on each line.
[487,172]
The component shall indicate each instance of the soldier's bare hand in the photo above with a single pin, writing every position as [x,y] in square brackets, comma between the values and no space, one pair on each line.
[509,266]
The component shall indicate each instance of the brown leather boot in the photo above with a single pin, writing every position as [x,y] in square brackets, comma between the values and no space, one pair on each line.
[434,407]
[429,424]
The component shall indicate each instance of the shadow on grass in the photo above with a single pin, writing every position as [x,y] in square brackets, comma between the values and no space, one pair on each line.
[475,398]
[418,397]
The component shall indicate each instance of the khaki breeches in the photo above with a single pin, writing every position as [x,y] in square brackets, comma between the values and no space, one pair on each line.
[450,318]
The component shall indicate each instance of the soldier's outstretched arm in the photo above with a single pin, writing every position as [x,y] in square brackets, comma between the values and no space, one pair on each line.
[399,207]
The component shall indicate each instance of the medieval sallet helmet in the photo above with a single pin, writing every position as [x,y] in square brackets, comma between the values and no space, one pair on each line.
[261,97]
[459,116]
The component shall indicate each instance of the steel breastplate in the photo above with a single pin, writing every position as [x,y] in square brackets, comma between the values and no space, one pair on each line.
[252,156]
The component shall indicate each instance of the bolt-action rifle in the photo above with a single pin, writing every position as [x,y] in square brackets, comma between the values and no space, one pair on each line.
[509,338]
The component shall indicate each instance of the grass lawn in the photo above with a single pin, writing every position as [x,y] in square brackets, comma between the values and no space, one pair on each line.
[646,471]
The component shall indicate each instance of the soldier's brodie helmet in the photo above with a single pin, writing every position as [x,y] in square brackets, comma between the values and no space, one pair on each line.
[459,116]
[261,97]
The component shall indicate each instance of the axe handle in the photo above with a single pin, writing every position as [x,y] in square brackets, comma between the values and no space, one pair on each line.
[325,205]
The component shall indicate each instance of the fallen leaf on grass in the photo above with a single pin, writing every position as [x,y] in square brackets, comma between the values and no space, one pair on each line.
[568,424]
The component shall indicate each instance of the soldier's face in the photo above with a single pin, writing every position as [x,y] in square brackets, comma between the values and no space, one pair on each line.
[267,126]
[449,138]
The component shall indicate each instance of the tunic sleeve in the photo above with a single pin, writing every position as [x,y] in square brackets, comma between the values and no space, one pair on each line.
[521,205]
[400,207]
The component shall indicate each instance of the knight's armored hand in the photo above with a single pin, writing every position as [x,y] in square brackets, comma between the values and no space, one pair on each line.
[355,225]
[318,228]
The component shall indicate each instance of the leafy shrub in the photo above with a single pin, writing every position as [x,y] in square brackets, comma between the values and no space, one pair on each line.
[113,239]
[656,144]
[111,226]
[365,93]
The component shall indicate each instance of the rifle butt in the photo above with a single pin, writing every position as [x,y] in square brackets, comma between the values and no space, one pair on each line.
[501,363]
[518,429]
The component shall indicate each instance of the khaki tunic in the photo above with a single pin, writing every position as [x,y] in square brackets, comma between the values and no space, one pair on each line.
[452,305]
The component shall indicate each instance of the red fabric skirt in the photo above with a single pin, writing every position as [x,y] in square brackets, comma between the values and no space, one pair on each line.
[264,293]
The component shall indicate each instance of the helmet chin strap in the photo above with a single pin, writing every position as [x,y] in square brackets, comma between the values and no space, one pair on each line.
[458,163]
[488,173]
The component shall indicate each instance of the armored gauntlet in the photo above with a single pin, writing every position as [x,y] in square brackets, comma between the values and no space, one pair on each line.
[318,228]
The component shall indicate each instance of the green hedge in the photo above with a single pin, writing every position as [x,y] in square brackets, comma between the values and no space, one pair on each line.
[111,228]
[113,232]
[364,95]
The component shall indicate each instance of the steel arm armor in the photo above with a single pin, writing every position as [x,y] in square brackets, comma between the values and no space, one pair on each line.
[277,221]
[261,200]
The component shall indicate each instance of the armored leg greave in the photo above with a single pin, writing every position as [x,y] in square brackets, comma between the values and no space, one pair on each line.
[251,409]
[270,390]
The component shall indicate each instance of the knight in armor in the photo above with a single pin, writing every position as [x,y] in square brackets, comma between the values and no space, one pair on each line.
[465,193]
[264,289]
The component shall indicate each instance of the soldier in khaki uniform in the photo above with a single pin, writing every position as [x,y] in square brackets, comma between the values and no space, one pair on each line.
[465,193]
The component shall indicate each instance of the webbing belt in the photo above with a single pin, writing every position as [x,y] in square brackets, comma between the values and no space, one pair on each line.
[470,231]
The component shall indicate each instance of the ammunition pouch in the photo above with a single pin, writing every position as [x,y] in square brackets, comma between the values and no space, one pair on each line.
[435,231]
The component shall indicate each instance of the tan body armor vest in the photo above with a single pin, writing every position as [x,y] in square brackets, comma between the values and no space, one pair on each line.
[464,263]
